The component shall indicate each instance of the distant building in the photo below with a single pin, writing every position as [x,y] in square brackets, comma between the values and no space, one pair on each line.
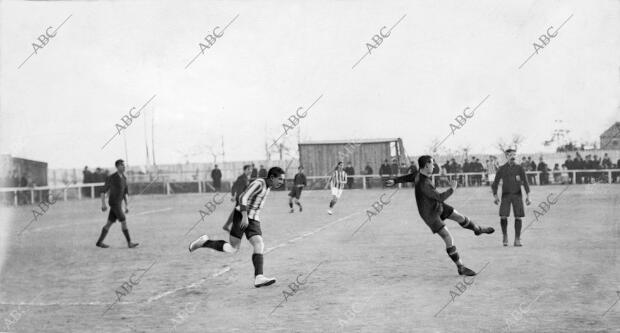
[610,139]
[320,157]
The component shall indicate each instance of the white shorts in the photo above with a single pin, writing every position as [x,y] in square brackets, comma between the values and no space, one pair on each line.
[336,192]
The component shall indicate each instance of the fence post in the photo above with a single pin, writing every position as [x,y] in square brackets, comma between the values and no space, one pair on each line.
[92,191]
[64,194]
[32,196]
[363,182]
[573,178]
[80,193]
[15,198]
[609,176]
[538,178]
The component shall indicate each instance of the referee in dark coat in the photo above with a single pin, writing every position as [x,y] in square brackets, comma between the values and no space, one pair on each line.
[513,177]
[116,185]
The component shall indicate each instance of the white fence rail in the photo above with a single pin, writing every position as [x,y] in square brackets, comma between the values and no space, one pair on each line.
[29,195]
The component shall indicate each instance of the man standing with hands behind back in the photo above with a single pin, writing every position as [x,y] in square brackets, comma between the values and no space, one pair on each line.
[512,176]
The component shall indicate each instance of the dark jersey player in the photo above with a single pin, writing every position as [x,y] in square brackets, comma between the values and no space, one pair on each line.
[513,177]
[238,187]
[298,185]
[246,221]
[434,211]
[116,185]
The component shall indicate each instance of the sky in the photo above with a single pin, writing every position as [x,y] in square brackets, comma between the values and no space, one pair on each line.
[62,105]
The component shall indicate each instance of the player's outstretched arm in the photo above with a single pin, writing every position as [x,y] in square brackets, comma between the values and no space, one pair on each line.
[409,178]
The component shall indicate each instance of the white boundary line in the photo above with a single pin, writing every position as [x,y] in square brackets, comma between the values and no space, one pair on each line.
[102,219]
[191,285]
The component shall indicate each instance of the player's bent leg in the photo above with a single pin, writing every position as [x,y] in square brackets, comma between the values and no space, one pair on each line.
[444,233]
[104,233]
[126,233]
[299,204]
[290,204]
[217,245]
[466,223]
[257,260]
[332,203]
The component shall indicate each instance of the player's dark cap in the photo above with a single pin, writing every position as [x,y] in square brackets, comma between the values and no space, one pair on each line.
[510,150]
[118,162]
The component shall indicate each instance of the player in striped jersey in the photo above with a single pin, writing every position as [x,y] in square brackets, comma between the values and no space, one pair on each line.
[337,181]
[246,221]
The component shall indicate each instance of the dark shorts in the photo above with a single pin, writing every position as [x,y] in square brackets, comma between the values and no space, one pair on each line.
[295,192]
[252,229]
[116,213]
[435,222]
[516,200]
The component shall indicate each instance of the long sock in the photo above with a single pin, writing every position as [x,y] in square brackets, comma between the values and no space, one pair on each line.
[104,232]
[504,222]
[469,224]
[454,255]
[332,203]
[517,228]
[217,245]
[290,204]
[257,260]
[126,233]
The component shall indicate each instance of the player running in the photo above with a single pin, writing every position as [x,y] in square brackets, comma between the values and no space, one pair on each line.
[116,184]
[238,187]
[298,184]
[512,176]
[433,210]
[337,181]
[246,221]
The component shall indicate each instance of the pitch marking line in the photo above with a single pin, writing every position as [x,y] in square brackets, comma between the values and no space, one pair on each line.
[192,285]
[98,219]
[284,244]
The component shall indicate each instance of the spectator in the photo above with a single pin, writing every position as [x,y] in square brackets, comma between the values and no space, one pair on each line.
[531,177]
[412,168]
[262,172]
[544,171]
[254,173]
[569,166]
[557,175]
[565,175]
[368,171]
[578,164]
[350,172]
[216,175]
[384,171]
[606,162]
[394,168]
[478,167]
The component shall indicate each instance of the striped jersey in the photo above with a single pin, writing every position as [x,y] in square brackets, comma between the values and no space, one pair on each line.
[338,179]
[253,198]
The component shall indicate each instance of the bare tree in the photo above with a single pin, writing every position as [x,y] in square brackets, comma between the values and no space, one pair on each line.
[515,142]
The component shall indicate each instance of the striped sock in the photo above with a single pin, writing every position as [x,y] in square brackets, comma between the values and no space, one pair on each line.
[454,255]
[468,224]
